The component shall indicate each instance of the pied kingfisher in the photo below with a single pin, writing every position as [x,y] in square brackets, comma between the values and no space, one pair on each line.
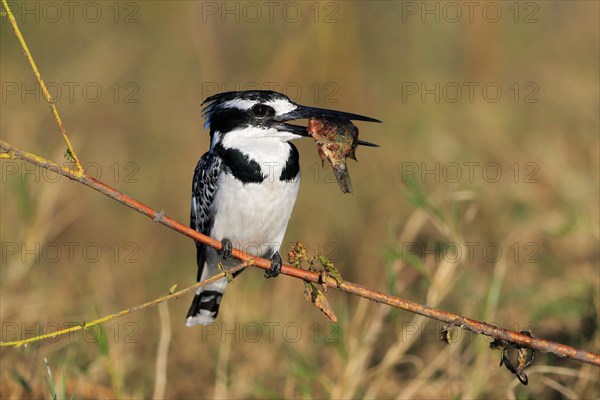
[245,186]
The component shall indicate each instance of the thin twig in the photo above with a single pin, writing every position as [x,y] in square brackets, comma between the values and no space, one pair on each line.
[47,95]
[456,320]
[151,303]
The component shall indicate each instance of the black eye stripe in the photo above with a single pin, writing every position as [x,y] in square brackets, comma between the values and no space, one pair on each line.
[231,118]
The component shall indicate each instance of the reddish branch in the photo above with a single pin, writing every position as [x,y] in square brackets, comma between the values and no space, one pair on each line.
[518,339]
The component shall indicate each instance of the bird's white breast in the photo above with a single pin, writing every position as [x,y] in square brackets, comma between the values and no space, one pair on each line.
[254,216]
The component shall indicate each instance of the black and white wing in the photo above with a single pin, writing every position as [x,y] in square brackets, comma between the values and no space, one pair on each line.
[204,188]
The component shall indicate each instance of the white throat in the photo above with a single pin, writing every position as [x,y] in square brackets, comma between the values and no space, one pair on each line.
[268,147]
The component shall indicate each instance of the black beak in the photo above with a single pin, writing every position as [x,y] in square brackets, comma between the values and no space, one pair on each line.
[304,112]
[313,112]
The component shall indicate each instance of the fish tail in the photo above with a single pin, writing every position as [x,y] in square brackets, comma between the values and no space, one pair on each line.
[343,178]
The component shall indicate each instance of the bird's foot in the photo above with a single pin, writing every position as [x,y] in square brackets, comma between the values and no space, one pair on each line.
[226,248]
[275,268]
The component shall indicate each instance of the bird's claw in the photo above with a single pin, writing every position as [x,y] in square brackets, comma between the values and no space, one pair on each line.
[275,268]
[226,248]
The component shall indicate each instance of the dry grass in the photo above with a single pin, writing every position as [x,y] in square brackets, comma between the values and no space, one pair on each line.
[171,55]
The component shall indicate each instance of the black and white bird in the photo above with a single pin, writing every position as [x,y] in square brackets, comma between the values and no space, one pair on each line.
[245,186]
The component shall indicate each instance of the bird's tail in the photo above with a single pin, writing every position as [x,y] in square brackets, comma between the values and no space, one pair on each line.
[205,306]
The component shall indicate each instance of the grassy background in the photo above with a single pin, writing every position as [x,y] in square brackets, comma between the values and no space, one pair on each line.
[70,255]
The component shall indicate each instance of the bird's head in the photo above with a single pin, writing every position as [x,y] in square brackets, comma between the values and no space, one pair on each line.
[258,114]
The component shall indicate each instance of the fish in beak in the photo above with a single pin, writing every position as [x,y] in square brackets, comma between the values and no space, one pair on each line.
[335,134]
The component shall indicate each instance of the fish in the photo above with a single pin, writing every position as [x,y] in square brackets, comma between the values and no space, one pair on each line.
[337,140]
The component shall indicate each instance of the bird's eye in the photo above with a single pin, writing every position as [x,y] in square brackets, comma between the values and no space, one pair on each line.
[261,111]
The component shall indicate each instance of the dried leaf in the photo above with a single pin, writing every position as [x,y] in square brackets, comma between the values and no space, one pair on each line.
[524,357]
[331,269]
[297,255]
[445,334]
[315,296]
[308,290]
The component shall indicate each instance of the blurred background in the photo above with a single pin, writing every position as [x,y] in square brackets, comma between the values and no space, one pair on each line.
[482,199]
